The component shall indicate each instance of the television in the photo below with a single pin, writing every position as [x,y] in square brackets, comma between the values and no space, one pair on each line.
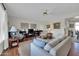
[30,31]
[22,32]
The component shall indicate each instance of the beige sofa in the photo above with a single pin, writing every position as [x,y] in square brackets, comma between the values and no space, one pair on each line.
[61,49]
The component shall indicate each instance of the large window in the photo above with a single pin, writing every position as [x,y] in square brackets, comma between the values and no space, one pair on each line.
[33,26]
[24,25]
[77,26]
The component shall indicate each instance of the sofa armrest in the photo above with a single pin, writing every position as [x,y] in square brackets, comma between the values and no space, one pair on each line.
[65,46]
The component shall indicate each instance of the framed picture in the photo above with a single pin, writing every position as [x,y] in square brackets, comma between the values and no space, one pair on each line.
[56,25]
[24,25]
[47,26]
[71,25]
[33,26]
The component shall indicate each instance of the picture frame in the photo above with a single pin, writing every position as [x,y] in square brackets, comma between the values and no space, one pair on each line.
[33,26]
[71,25]
[57,25]
[47,26]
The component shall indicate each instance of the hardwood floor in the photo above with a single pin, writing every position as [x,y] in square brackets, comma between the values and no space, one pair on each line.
[14,51]
[74,51]
[11,52]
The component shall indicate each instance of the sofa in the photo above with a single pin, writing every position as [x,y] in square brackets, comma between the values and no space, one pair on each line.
[60,47]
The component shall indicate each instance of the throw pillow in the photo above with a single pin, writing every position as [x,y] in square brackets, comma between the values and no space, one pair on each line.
[51,44]
[47,47]
[39,43]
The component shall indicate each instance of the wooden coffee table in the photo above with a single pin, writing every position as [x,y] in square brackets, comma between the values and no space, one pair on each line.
[13,42]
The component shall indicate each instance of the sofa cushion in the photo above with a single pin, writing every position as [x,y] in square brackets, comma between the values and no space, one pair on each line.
[52,52]
[51,44]
[39,43]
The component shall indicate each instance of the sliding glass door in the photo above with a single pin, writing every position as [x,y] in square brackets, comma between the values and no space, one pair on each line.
[77,30]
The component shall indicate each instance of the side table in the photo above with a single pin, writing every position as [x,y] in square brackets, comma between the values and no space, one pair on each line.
[13,42]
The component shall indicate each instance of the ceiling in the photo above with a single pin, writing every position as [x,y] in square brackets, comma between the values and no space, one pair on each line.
[35,11]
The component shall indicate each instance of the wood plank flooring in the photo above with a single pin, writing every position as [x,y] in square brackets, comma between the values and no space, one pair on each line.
[74,51]
[14,51]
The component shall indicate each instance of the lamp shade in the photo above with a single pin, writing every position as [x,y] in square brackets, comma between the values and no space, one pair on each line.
[50,30]
[13,29]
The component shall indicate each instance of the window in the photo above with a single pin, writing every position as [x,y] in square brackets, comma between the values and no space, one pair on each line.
[77,26]
[24,25]
[33,26]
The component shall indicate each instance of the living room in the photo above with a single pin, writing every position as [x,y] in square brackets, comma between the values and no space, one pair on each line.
[49,23]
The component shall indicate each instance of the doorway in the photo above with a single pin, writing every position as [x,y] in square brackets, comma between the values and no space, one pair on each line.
[77,30]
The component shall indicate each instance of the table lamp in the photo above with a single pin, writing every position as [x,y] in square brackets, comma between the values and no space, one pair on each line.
[13,31]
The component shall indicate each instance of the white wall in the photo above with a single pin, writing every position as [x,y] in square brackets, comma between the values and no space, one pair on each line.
[17,23]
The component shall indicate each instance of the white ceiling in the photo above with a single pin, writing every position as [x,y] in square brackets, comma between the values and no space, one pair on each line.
[35,11]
